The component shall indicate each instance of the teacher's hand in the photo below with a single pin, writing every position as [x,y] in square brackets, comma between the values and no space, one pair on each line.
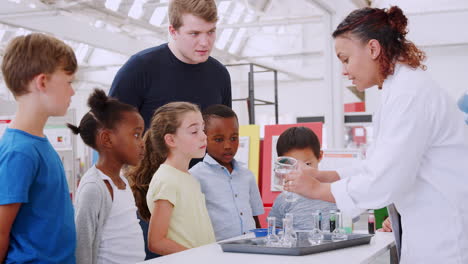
[386,226]
[303,182]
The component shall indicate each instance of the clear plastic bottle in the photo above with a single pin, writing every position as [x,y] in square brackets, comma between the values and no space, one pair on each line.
[332,220]
[347,222]
[284,166]
[289,236]
[291,218]
[316,236]
[339,234]
[319,216]
[371,222]
[272,239]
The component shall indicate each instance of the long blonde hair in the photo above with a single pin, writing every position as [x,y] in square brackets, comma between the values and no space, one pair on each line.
[166,120]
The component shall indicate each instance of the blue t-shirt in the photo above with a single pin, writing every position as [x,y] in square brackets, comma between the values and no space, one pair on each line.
[31,173]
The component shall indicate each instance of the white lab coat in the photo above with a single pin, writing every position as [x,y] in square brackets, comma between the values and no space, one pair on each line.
[419,162]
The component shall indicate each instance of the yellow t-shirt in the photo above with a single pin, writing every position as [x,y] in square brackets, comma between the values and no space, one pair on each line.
[190,224]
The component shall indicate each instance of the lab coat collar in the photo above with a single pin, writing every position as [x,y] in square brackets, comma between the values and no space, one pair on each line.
[386,86]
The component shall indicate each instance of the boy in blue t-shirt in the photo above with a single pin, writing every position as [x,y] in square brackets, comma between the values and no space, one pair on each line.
[231,192]
[37,223]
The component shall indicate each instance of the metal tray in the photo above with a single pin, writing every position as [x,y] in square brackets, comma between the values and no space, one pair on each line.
[303,247]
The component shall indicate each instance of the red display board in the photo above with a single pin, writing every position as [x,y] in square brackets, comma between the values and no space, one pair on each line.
[355,107]
[262,218]
[271,131]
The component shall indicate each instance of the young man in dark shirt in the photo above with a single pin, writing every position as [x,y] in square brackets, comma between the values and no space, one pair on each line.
[181,70]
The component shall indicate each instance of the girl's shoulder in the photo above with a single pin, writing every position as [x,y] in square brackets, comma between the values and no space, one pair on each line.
[170,173]
[91,190]
[91,180]
[170,176]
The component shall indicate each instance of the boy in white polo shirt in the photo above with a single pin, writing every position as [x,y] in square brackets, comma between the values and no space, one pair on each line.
[231,192]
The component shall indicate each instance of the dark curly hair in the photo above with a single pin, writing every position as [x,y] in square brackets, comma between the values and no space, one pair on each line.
[388,27]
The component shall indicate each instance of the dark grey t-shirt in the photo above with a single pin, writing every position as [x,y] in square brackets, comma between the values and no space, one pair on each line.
[302,210]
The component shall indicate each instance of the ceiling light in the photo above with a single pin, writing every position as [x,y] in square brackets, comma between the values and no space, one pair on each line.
[112,4]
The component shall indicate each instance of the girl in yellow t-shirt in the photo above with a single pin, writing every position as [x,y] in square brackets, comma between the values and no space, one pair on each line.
[165,193]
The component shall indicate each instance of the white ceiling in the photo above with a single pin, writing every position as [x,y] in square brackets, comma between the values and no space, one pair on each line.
[287,35]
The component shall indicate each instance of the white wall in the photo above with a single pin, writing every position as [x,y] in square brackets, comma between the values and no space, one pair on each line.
[295,99]
[437,28]
[449,67]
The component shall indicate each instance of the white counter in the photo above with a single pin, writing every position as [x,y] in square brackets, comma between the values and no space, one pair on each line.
[213,253]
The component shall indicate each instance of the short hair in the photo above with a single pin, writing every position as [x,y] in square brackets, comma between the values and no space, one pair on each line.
[205,9]
[217,111]
[106,112]
[28,56]
[298,138]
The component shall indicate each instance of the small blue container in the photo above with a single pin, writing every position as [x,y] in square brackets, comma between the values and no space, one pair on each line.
[261,232]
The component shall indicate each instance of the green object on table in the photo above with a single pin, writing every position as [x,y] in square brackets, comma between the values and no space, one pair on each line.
[380,216]
[348,230]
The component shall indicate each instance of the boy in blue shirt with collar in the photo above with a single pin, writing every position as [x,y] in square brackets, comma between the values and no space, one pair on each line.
[231,192]
[37,223]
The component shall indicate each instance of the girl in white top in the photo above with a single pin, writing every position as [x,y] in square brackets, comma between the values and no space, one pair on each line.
[108,230]
[419,159]
[165,192]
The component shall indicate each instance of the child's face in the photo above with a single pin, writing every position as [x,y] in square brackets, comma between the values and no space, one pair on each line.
[189,138]
[223,139]
[127,138]
[305,156]
[58,92]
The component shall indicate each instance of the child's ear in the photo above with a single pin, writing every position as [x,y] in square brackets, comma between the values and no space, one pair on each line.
[170,140]
[39,82]
[104,139]
[321,155]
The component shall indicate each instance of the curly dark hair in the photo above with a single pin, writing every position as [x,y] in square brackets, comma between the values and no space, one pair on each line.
[388,27]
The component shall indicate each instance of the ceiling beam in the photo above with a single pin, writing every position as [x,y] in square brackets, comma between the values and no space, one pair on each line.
[264,23]
[298,55]
[29,14]
[361,3]
[276,22]
[323,5]
[63,23]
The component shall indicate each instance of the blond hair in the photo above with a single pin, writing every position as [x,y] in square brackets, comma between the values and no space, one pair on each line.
[166,120]
[205,9]
[33,54]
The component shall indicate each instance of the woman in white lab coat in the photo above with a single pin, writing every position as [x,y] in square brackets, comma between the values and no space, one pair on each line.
[419,159]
